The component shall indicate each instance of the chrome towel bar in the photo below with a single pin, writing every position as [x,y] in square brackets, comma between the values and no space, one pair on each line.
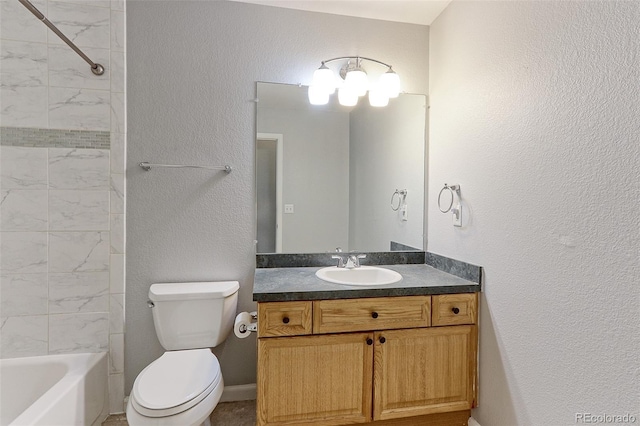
[147,166]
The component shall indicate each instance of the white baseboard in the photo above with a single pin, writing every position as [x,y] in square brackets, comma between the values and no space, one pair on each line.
[473,422]
[239,393]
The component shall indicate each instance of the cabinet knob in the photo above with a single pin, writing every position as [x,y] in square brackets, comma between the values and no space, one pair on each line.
[382,339]
[369,341]
[455,310]
[374,315]
[285,320]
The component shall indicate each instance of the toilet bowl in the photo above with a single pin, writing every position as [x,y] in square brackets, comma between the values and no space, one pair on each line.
[184,385]
[181,388]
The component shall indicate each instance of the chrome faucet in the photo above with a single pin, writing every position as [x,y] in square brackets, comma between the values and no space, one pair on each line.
[352,260]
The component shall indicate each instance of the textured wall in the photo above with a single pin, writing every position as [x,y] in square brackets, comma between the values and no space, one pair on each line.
[62,181]
[534,111]
[192,68]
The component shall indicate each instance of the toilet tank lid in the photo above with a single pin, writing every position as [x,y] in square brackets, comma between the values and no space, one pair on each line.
[193,290]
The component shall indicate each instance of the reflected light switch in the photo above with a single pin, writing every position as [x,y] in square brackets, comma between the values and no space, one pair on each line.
[288,208]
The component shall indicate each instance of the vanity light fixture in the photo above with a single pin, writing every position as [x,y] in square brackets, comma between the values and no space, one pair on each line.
[354,83]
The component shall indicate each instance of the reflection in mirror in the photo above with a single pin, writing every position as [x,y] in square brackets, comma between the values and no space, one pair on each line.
[330,176]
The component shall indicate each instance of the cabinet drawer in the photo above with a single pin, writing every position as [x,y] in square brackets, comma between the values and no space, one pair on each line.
[284,319]
[454,309]
[383,313]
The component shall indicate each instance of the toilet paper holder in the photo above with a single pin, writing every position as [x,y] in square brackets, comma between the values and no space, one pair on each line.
[253,327]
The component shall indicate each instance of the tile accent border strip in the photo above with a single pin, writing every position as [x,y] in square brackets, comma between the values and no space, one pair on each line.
[29,137]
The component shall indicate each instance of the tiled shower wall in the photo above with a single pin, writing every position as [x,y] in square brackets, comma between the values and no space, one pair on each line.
[62,184]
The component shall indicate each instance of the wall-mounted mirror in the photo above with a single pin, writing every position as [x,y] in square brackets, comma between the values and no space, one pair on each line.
[331,176]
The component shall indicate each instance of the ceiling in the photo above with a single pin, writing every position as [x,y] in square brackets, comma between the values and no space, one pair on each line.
[421,12]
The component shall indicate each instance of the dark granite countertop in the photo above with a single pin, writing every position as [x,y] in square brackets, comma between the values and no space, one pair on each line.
[301,283]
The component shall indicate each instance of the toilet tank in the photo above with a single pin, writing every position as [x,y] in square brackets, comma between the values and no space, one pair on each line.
[193,315]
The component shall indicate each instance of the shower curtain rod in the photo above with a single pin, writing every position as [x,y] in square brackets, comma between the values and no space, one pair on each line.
[96,68]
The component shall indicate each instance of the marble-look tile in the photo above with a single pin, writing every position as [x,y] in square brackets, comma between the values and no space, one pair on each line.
[78,292]
[116,276]
[116,353]
[86,26]
[76,333]
[23,63]
[117,71]
[23,294]
[73,210]
[116,313]
[78,169]
[23,252]
[117,193]
[23,336]
[118,5]
[17,23]
[23,168]
[117,233]
[97,3]
[116,393]
[117,30]
[79,109]
[23,210]
[23,106]
[118,151]
[118,113]
[67,69]
[78,251]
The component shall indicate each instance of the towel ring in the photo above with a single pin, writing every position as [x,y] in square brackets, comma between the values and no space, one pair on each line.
[401,193]
[451,189]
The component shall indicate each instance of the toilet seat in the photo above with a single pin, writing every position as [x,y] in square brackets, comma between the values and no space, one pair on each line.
[175,382]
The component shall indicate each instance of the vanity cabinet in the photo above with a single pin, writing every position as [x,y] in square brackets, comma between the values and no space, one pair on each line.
[423,371]
[385,361]
[315,378]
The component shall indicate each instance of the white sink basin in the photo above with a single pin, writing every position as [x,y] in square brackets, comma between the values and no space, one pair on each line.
[364,275]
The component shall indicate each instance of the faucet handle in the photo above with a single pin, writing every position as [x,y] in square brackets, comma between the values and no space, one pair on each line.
[358,257]
[340,260]
[354,260]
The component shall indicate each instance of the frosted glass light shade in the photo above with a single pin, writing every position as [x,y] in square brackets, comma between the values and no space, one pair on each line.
[358,82]
[347,96]
[323,79]
[378,97]
[317,95]
[390,83]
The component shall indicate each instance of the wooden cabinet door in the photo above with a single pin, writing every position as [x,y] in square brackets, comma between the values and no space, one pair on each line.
[423,371]
[324,380]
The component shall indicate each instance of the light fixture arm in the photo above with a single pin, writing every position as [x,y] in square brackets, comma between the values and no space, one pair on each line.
[357,58]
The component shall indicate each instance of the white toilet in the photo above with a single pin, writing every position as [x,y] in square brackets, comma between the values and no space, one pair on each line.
[184,385]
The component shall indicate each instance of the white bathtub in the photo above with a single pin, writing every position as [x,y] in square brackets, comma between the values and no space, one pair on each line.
[54,390]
